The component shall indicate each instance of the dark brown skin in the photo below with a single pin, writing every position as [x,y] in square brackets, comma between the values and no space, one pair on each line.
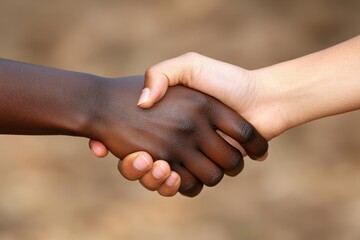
[180,129]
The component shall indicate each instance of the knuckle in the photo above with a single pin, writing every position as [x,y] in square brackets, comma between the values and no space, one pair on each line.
[202,100]
[191,55]
[236,170]
[187,126]
[149,73]
[200,103]
[191,189]
[234,160]
[215,178]
[247,133]
[196,99]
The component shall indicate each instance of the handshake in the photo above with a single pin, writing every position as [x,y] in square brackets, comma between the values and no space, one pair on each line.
[183,137]
[180,129]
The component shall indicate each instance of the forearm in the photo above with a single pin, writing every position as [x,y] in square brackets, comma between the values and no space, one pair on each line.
[42,101]
[321,84]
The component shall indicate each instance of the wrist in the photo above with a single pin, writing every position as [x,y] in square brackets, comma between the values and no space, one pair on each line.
[314,86]
[269,110]
[289,90]
[85,104]
[107,99]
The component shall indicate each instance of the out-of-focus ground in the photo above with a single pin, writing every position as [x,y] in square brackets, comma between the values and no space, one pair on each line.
[53,188]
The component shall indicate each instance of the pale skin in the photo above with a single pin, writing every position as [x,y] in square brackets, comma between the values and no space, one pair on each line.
[274,99]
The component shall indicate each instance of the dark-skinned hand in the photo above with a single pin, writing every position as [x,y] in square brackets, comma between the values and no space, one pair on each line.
[180,129]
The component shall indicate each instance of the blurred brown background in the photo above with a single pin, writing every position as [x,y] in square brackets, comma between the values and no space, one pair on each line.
[53,188]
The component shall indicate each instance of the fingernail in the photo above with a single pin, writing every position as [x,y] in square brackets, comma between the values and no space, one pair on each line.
[158,171]
[141,163]
[144,97]
[171,180]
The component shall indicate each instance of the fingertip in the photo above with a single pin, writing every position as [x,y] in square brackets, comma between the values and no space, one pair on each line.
[155,87]
[135,165]
[259,151]
[161,169]
[156,93]
[141,163]
[263,158]
[171,186]
[148,98]
[144,97]
[193,191]
[101,152]
[98,149]
[147,104]
[157,176]
[236,169]
[173,180]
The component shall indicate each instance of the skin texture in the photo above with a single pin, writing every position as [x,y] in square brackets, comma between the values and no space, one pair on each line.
[180,129]
[274,99]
